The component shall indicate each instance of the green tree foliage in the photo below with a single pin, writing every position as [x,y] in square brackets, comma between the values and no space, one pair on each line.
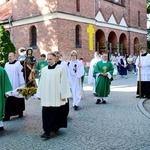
[6,46]
[148,6]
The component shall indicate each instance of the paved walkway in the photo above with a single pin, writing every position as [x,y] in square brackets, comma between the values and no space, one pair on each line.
[118,125]
[147,105]
[144,106]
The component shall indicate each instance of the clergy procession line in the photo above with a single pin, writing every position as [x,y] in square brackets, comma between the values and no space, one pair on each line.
[58,81]
[118,125]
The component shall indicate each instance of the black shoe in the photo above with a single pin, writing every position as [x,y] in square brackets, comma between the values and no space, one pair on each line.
[75,107]
[104,102]
[137,96]
[142,96]
[56,130]
[95,94]
[6,119]
[45,136]
[98,101]
[1,128]
[20,115]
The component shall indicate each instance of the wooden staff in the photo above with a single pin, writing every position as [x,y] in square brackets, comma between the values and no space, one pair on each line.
[139,63]
[140,75]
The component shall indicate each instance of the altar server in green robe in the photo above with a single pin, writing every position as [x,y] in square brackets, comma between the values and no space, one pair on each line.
[42,63]
[103,73]
[5,86]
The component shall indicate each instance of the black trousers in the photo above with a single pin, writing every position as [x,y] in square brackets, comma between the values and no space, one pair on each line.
[14,106]
[145,89]
[53,119]
[65,108]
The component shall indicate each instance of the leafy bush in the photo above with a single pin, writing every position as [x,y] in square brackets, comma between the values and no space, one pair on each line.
[6,46]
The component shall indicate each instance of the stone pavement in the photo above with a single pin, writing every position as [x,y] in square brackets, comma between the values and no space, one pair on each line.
[120,124]
[145,107]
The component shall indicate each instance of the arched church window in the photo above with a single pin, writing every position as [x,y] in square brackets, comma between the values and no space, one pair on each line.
[78,36]
[33,37]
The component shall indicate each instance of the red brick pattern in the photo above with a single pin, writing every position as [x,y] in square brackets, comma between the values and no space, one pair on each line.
[59,34]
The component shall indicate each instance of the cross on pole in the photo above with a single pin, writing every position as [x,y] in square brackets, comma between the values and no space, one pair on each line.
[90,31]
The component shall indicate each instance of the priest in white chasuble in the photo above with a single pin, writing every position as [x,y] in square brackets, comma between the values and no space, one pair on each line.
[143,76]
[53,90]
[103,73]
[14,105]
[5,86]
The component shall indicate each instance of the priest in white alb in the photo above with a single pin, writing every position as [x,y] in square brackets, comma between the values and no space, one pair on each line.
[143,76]
[91,79]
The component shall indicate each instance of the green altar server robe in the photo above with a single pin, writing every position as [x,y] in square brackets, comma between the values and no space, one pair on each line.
[39,66]
[5,86]
[102,84]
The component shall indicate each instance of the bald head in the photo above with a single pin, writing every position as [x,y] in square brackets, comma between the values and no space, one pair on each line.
[58,55]
[11,57]
[51,58]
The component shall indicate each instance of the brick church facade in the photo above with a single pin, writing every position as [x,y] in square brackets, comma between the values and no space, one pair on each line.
[84,25]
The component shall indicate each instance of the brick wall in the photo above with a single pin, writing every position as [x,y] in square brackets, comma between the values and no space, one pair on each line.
[134,8]
[87,7]
[59,34]
[26,8]
[46,37]
[66,38]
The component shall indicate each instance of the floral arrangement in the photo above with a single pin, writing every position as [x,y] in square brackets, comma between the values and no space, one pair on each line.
[27,92]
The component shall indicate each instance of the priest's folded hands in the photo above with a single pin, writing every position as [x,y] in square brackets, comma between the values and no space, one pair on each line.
[64,99]
[103,74]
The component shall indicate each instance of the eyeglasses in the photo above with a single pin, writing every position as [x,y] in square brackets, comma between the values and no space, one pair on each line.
[73,55]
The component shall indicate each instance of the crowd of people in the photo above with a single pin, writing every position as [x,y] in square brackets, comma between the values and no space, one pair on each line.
[124,64]
[59,80]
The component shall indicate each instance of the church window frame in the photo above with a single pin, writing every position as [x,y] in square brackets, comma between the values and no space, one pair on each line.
[139,20]
[78,36]
[33,37]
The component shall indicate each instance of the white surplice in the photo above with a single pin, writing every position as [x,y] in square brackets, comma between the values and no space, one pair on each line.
[15,74]
[53,86]
[145,67]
